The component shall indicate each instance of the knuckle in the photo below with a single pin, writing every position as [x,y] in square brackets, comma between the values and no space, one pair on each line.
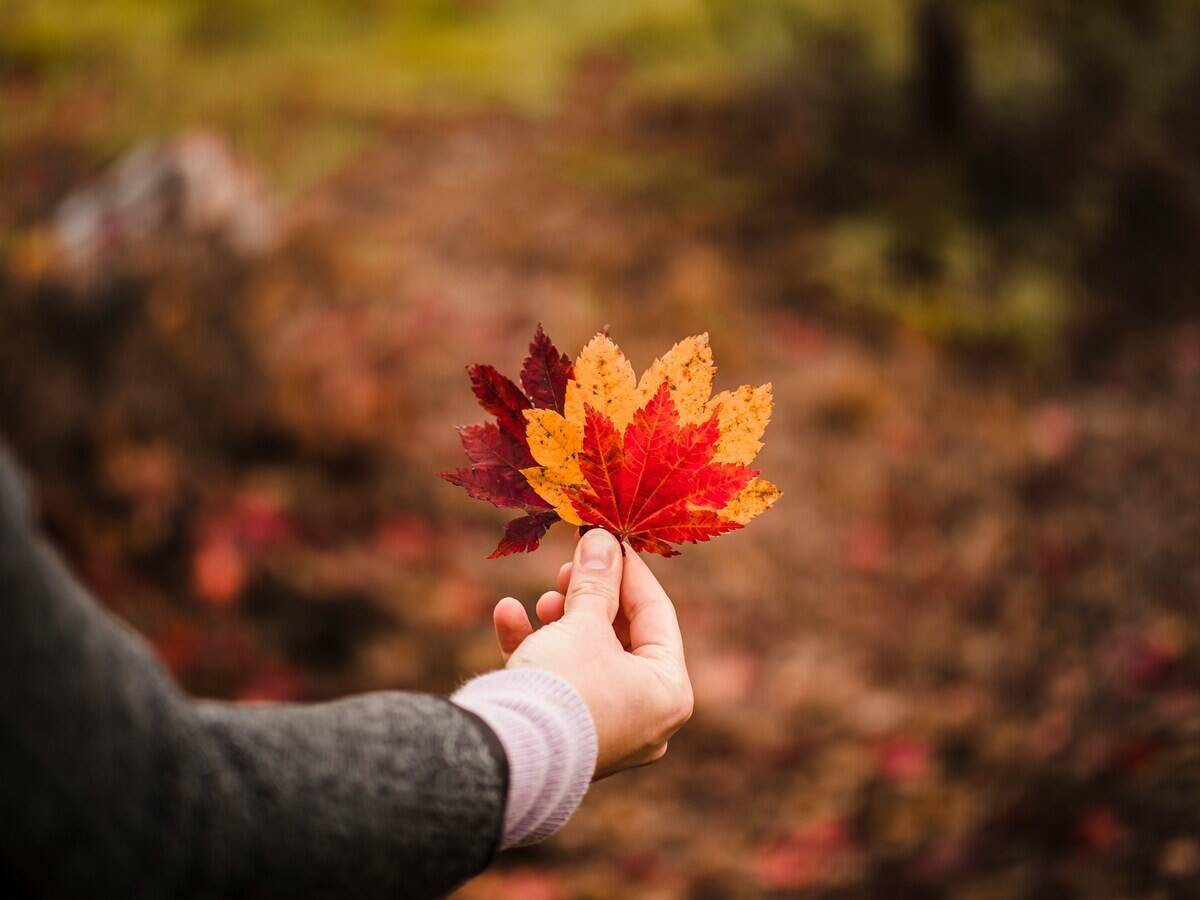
[591,586]
[687,705]
[681,712]
[680,703]
[650,753]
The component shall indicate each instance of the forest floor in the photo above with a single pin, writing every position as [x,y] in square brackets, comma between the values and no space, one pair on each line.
[959,659]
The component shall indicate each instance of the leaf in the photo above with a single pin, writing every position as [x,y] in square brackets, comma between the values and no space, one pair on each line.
[487,446]
[503,399]
[551,485]
[554,443]
[523,535]
[499,450]
[657,461]
[754,500]
[688,369]
[605,381]
[657,485]
[495,472]
[499,486]
[744,415]
[546,373]
[552,440]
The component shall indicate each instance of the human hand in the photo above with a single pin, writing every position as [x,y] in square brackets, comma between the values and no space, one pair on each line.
[611,632]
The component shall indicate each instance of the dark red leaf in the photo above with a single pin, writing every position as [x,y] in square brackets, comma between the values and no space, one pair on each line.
[498,451]
[506,488]
[524,534]
[498,395]
[495,473]
[546,373]
[488,447]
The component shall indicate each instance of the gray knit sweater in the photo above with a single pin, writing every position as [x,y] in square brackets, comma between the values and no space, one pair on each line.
[114,784]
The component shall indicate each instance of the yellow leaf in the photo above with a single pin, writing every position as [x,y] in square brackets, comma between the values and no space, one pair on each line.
[553,440]
[605,381]
[549,483]
[743,419]
[688,370]
[754,499]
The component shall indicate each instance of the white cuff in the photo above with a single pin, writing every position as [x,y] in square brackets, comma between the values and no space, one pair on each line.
[549,739]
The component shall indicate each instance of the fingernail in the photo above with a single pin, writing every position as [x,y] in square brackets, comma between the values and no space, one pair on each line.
[597,550]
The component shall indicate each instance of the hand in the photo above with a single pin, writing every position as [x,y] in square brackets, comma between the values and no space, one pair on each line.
[610,630]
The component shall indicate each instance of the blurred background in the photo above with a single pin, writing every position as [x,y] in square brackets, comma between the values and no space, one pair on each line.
[246,249]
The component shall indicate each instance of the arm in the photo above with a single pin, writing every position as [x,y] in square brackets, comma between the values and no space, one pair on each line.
[112,783]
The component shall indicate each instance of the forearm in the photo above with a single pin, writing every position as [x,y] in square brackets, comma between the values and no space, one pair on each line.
[112,782]
[384,795]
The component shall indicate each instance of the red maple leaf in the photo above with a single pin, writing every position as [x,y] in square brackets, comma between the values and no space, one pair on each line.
[498,395]
[524,534]
[658,486]
[495,471]
[545,374]
[498,451]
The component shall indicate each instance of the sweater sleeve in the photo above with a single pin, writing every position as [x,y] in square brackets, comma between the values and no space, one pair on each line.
[550,740]
[112,783]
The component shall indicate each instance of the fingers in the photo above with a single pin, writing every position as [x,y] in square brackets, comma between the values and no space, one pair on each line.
[621,628]
[550,607]
[653,626]
[512,625]
[595,576]
[654,635]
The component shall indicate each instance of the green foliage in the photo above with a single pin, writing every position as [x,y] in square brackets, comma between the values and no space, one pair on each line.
[324,69]
[964,298]
[1069,181]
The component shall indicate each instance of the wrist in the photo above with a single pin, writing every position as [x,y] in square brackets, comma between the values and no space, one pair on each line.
[549,739]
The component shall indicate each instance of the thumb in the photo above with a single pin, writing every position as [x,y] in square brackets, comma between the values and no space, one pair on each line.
[595,587]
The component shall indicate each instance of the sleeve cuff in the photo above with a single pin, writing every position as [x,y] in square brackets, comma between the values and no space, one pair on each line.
[549,739]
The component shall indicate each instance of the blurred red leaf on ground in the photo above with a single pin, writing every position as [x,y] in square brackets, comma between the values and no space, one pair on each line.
[1053,433]
[524,883]
[804,858]
[459,602]
[1137,660]
[801,338]
[866,548]
[1101,830]
[218,570]
[903,760]
[274,682]
[404,539]
[259,520]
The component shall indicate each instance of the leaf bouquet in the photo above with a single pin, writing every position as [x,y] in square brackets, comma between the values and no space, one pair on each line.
[657,461]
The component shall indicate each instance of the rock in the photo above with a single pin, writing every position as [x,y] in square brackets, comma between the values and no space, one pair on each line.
[157,195]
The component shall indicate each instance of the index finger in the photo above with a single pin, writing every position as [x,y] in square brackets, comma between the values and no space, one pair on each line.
[653,626]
